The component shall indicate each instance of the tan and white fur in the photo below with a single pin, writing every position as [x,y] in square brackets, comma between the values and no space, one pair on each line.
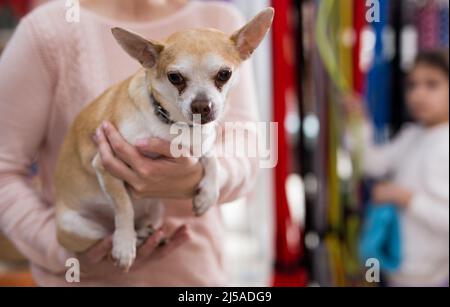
[90,202]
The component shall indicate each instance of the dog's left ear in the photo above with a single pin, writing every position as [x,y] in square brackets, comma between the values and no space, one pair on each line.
[145,51]
[248,38]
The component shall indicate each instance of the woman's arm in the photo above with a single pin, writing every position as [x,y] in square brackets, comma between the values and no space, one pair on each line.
[25,97]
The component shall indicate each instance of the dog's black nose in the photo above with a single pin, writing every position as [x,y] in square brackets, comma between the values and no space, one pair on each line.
[202,108]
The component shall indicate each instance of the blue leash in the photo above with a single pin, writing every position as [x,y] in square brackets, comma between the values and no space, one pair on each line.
[381,237]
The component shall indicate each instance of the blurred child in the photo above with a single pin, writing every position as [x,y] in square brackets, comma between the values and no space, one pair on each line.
[417,165]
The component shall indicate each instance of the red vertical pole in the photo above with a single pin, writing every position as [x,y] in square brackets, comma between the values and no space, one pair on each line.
[359,19]
[19,7]
[287,234]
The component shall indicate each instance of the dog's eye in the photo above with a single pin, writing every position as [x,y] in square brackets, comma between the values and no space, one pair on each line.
[175,78]
[224,75]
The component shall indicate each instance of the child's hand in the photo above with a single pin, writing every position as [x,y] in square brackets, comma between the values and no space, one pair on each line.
[389,193]
[354,106]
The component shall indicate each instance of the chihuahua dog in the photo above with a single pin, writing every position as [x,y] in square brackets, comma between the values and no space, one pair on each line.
[190,73]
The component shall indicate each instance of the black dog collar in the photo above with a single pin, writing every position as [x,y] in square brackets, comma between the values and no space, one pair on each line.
[162,114]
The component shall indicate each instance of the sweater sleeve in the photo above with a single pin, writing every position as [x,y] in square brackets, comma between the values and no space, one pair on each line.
[26,87]
[431,206]
[378,160]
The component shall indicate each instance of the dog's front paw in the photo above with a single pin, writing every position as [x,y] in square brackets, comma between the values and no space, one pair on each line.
[124,249]
[204,200]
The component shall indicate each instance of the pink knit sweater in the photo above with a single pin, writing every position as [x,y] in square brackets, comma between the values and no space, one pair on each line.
[49,71]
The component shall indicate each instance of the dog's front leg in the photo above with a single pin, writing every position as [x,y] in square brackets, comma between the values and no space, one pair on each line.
[124,239]
[208,189]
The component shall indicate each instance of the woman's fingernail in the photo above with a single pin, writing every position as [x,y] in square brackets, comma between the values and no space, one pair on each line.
[105,125]
[98,133]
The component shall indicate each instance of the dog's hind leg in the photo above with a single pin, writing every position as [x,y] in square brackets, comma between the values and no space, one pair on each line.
[124,239]
[76,232]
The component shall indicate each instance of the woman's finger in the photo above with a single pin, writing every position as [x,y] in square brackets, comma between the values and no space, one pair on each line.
[150,245]
[180,237]
[154,147]
[113,165]
[99,251]
[124,151]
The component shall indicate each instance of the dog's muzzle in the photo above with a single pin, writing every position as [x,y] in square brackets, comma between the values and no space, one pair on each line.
[205,109]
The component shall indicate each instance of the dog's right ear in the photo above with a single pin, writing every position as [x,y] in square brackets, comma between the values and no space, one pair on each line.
[143,50]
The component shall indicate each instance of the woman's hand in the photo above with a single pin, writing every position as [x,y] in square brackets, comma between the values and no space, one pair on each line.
[97,260]
[152,249]
[384,193]
[165,177]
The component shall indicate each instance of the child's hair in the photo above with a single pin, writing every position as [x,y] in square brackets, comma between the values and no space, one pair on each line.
[437,59]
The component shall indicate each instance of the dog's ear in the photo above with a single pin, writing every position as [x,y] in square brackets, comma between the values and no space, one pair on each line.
[143,50]
[248,38]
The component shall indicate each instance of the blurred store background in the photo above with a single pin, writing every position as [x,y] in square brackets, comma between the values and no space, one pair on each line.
[301,225]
